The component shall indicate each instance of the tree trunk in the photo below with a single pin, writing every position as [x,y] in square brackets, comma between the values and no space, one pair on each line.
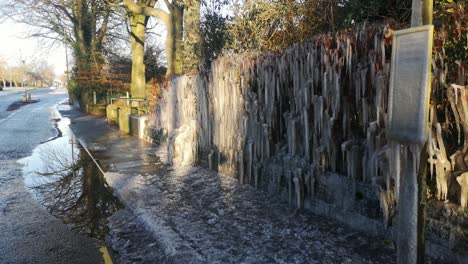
[137,36]
[192,38]
[177,16]
[174,25]
[170,48]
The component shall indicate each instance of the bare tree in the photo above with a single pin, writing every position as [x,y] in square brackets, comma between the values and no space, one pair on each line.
[3,72]
[82,24]
[138,13]
[41,73]
[180,46]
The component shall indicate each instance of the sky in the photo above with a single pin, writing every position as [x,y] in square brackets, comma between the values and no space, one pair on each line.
[15,48]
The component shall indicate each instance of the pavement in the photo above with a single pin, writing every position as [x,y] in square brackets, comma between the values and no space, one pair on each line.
[194,215]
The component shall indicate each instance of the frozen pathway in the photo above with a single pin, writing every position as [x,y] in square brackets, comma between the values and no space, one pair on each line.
[198,216]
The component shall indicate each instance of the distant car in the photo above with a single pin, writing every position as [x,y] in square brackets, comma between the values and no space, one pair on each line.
[53,87]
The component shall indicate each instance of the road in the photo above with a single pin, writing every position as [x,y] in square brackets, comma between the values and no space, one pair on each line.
[28,233]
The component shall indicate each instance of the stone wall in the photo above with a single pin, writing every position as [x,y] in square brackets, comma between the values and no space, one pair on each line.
[309,124]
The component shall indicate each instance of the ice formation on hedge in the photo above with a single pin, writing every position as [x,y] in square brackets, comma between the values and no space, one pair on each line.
[279,121]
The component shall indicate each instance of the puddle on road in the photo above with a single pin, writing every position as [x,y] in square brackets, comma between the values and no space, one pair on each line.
[64,179]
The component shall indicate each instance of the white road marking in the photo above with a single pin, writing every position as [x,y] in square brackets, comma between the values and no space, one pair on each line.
[6,118]
[14,113]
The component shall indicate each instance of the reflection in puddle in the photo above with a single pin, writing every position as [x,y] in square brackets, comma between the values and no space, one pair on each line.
[64,179]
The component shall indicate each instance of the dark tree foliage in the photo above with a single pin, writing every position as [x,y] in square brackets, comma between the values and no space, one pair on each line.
[213,29]
[154,65]
[451,22]
[356,11]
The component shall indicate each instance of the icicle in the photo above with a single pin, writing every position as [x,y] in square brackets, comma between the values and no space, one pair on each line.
[357,87]
[365,115]
[333,158]
[355,156]
[336,107]
[379,139]
[464,104]
[382,51]
[346,152]
[241,167]
[345,120]
[386,201]
[305,124]
[250,156]
[363,81]
[431,150]
[348,56]
[266,134]
[318,113]
[441,178]
[325,84]
[298,187]
[310,180]
[370,137]
[256,175]
[463,181]
[292,129]
[443,166]
[365,161]
[378,95]
[374,162]
[397,168]
[452,97]
[416,152]
[349,164]
[288,175]
[440,142]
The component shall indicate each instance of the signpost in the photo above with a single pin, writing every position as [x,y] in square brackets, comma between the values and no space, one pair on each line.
[408,109]
[410,84]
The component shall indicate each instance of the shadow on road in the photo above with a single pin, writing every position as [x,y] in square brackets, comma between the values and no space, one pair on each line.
[19,104]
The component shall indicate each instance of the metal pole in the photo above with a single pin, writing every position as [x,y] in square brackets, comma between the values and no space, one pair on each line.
[66,62]
[416,13]
[408,209]
[422,201]
[412,215]
[427,18]
[428,11]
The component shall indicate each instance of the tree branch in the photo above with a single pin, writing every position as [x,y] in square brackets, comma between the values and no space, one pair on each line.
[148,11]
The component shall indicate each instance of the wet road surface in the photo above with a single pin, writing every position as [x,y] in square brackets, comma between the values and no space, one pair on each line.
[28,232]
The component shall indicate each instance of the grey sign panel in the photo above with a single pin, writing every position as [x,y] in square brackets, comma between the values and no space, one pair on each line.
[408,101]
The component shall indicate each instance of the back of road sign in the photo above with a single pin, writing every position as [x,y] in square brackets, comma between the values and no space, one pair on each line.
[410,85]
